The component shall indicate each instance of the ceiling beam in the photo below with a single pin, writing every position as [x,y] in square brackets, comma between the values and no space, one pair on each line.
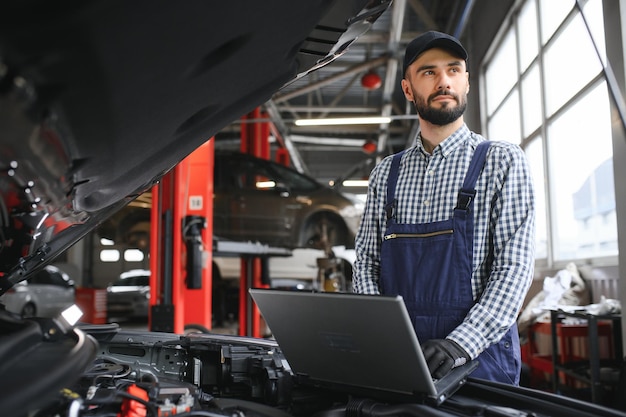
[395,34]
[279,98]
[418,7]
[324,109]
[279,129]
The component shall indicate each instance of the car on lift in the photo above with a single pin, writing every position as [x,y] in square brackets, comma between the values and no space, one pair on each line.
[100,99]
[260,200]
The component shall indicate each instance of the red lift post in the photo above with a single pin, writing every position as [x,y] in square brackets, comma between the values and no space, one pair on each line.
[254,141]
[179,203]
[181,244]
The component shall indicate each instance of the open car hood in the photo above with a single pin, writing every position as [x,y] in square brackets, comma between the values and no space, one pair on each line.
[100,99]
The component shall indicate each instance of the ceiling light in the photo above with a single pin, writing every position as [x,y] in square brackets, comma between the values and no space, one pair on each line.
[343,121]
[354,183]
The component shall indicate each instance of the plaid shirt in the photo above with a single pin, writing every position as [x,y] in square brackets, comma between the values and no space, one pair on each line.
[504,226]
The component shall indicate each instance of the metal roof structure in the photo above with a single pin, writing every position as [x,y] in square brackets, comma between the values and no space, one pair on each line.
[331,153]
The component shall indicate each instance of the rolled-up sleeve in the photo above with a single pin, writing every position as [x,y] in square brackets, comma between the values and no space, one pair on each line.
[504,249]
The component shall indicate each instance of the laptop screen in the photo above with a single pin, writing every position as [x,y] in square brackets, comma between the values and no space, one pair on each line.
[347,340]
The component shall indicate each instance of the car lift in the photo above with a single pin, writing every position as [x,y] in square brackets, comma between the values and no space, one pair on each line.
[183,243]
[182,230]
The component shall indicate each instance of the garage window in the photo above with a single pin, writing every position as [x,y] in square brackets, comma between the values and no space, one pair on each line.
[541,78]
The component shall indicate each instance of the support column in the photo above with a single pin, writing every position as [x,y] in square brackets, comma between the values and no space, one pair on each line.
[181,244]
[254,141]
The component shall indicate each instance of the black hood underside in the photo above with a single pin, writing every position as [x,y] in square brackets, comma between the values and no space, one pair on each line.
[100,99]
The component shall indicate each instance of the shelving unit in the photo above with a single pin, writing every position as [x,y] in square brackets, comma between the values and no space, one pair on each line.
[587,369]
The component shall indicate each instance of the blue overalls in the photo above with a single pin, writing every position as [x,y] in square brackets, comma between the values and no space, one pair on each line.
[430,266]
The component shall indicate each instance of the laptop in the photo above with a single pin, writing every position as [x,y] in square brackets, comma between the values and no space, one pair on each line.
[361,344]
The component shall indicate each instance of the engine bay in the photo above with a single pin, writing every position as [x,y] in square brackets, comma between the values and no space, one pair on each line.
[163,374]
[180,374]
[51,369]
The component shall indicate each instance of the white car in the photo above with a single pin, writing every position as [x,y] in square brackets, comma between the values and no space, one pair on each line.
[129,295]
[46,294]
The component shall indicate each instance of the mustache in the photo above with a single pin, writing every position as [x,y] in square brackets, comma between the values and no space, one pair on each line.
[445,92]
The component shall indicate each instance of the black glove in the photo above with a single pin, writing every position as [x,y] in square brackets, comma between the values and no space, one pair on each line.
[442,355]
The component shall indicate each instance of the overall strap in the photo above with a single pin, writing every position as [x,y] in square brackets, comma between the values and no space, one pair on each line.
[468,191]
[390,201]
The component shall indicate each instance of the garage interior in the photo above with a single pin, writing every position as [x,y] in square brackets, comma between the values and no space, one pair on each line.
[363,82]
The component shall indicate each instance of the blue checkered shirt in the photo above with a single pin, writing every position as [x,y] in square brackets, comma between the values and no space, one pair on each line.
[504,226]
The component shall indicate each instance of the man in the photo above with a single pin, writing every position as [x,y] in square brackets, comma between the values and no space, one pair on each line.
[462,262]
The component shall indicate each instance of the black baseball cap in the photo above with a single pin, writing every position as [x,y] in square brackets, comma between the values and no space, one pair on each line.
[429,40]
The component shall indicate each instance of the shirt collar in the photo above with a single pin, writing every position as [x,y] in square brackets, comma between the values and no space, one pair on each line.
[449,144]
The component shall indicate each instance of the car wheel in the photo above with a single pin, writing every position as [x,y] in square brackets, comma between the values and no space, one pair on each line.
[195,328]
[325,231]
[29,310]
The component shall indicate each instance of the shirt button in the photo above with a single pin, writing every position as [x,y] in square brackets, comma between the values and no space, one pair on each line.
[431,172]
[426,202]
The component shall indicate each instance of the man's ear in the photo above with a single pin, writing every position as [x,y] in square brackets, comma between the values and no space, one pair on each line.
[406,89]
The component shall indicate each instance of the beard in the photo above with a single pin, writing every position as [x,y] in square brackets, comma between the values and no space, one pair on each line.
[440,116]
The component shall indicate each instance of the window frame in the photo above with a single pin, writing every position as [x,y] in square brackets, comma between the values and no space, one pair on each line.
[489,110]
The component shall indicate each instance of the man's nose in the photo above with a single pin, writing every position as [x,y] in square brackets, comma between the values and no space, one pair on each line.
[443,81]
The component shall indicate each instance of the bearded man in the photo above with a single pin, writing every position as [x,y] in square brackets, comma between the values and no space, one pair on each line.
[449,224]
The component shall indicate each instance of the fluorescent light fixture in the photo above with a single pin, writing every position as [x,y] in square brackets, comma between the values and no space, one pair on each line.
[265,184]
[354,183]
[343,121]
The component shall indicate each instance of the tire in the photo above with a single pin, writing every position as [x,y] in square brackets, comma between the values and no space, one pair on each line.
[29,310]
[335,228]
[195,328]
